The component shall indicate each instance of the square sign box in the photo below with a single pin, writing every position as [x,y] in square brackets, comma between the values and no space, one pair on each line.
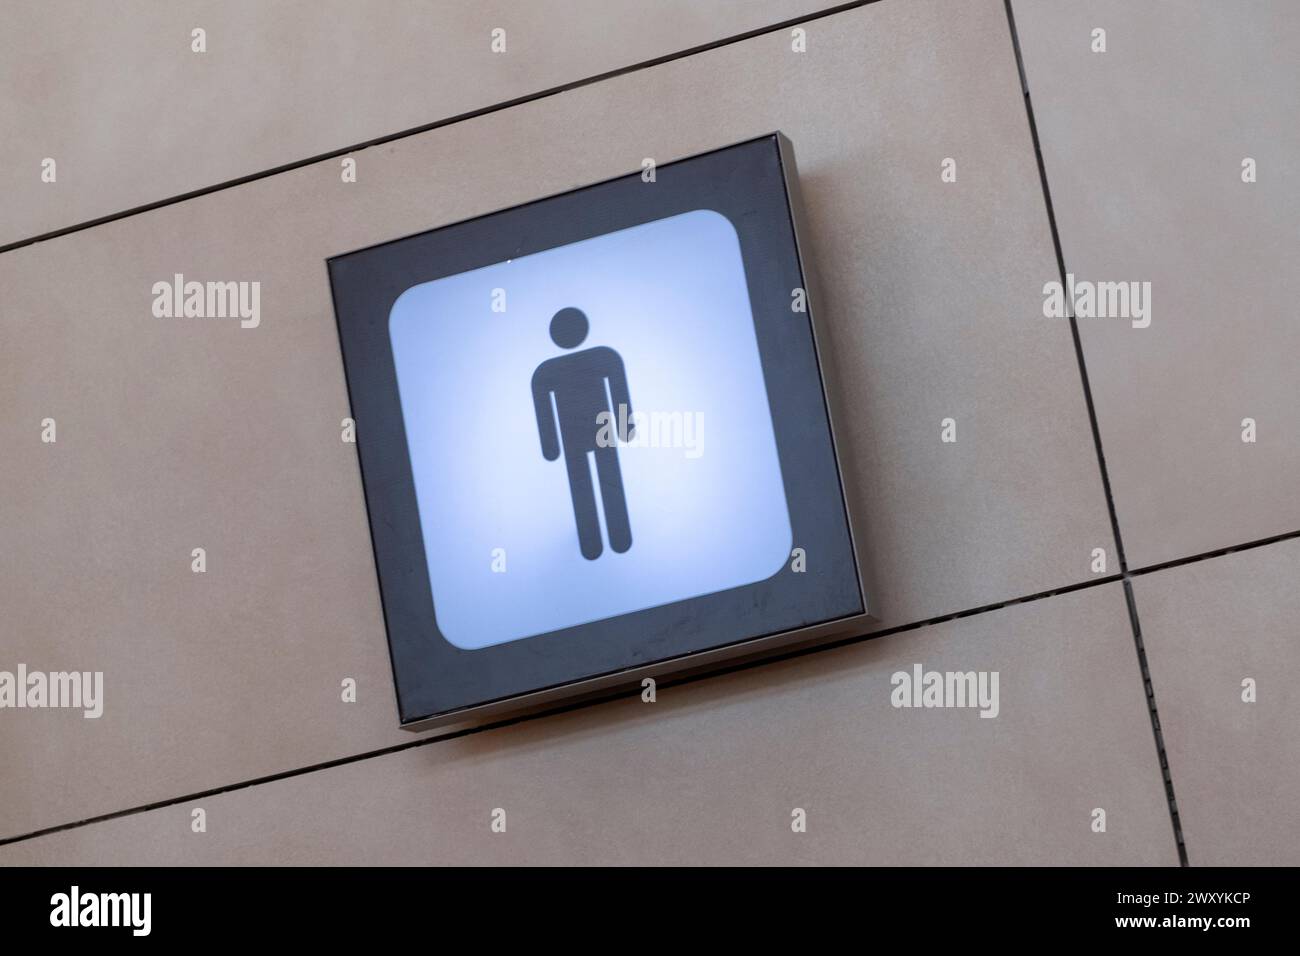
[594,438]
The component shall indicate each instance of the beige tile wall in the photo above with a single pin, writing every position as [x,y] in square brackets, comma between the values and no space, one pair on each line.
[713,770]
[115,95]
[176,434]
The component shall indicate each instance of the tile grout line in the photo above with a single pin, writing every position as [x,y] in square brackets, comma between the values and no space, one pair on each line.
[1125,575]
[1216,553]
[438,124]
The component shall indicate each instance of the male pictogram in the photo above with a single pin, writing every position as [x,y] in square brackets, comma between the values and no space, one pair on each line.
[575,389]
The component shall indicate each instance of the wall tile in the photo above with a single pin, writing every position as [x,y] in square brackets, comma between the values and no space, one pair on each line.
[1143,147]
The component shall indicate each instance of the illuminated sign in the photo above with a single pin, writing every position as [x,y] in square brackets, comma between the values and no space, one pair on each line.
[594,438]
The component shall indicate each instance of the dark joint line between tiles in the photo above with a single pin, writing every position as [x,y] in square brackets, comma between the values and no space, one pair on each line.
[1217,553]
[438,124]
[1135,624]
[1149,689]
[1074,325]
